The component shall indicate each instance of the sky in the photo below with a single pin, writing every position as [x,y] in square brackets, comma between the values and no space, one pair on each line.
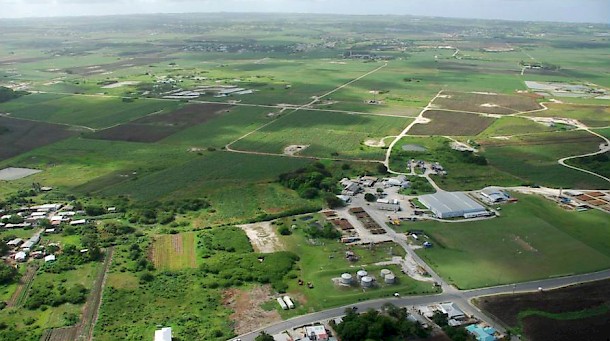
[592,11]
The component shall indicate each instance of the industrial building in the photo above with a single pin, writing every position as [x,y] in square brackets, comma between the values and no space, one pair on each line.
[494,195]
[452,204]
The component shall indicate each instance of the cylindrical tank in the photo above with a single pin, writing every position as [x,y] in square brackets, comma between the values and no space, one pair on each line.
[385,272]
[390,279]
[361,273]
[346,278]
[366,281]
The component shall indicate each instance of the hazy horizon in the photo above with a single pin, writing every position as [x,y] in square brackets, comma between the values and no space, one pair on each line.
[579,11]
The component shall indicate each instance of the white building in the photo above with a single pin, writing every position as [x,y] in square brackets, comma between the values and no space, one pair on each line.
[452,204]
[21,256]
[163,334]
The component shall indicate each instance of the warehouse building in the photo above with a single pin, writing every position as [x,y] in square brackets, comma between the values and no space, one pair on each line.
[453,204]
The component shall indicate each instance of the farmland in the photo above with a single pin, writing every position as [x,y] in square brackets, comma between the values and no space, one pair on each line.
[165,132]
[533,239]
[561,314]
[489,103]
[451,123]
[326,134]
[174,252]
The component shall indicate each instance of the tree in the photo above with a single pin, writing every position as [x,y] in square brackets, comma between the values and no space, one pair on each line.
[7,273]
[263,336]
[370,197]
[382,169]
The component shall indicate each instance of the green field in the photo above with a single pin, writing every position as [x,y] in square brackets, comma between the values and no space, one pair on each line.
[591,115]
[327,134]
[95,112]
[533,239]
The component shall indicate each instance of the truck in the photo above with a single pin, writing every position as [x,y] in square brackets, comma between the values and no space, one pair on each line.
[282,303]
[289,302]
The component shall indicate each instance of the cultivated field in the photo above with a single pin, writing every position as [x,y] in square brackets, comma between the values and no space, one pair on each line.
[483,102]
[174,252]
[327,134]
[562,314]
[452,123]
[20,136]
[96,112]
[155,127]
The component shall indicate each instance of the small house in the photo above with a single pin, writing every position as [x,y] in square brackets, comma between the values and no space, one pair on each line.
[49,258]
[21,256]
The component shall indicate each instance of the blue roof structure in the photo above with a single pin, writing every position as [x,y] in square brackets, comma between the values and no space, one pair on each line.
[482,334]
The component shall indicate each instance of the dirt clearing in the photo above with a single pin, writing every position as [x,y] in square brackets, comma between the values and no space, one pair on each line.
[12,173]
[263,237]
[295,149]
[486,103]
[248,314]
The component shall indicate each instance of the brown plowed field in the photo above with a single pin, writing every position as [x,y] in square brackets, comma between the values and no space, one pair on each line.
[486,103]
[20,136]
[571,299]
[452,124]
[156,127]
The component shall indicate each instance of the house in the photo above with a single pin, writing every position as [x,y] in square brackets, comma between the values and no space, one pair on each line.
[345,198]
[21,256]
[163,334]
[49,258]
[455,316]
[78,222]
[482,333]
[368,181]
[316,333]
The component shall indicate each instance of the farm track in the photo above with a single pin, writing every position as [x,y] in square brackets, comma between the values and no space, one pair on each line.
[83,331]
[21,293]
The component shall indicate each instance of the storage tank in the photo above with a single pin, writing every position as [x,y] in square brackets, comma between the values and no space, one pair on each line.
[346,278]
[390,279]
[385,272]
[361,273]
[282,303]
[289,302]
[366,281]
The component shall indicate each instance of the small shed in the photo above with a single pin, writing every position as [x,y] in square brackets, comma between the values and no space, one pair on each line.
[49,258]
[21,256]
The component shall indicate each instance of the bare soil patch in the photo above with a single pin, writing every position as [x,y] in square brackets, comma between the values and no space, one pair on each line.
[12,173]
[524,245]
[452,124]
[248,314]
[155,127]
[20,136]
[263,237]
[565,300]
[295,149]
[487,103]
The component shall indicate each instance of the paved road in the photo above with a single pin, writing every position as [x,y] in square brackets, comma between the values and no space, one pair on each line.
[461,297]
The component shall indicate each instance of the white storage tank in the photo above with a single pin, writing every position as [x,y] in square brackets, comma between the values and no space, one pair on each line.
[282,303]
[346,278]
[385,272]
[361,273]
[289,302]
[390,279]
[366,281]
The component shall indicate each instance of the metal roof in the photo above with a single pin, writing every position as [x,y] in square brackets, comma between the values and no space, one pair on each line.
[447,204]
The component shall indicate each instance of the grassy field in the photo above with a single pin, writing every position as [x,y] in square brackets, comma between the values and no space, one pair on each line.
[590,115]
[326,134]
[533,239]
[174,252]
[486,103]
[511,126]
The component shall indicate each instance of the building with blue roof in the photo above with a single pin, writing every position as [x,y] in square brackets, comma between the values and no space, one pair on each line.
[482,334]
